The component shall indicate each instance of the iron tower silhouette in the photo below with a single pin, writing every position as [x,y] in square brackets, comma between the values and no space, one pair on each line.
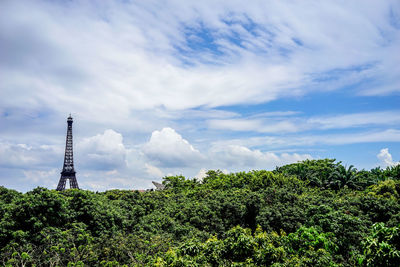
[68,171]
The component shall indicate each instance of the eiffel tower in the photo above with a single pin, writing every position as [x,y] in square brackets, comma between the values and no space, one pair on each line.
[68,171]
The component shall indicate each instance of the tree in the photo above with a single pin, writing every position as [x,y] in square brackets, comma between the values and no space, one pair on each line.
[342,177]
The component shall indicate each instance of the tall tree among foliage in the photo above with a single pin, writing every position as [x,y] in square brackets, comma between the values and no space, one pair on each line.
[342,177]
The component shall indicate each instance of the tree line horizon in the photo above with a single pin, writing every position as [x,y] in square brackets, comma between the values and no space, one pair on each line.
[310,213]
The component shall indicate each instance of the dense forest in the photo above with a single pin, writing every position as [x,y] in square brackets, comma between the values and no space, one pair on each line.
[311,213]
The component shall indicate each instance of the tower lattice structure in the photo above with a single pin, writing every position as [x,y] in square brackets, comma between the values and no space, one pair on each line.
[68,171]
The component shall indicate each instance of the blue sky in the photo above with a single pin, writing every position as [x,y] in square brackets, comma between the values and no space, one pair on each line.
[162,88]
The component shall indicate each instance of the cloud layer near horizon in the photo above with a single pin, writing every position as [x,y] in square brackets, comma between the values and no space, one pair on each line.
[165,153]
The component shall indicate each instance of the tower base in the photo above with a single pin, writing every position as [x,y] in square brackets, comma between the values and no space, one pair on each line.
[73,183]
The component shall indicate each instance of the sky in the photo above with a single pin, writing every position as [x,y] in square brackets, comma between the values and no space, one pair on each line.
[159,88]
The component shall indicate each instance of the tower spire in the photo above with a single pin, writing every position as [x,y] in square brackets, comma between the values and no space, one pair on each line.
[68,171]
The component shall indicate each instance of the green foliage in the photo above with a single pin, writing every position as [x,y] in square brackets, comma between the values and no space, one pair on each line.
[316,172]
[101,216]
[342,177]
[393,172]
[382,246]
[387,189]
[304,238]
[239,247]
[254,180]
[73,246]
[311,213]
[8,195]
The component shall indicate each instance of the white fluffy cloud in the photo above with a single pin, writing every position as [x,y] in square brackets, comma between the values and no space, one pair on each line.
[167,148]
[386,158]
[104,151]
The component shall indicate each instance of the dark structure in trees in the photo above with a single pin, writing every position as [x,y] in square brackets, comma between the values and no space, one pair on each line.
[68,171]
[159,186]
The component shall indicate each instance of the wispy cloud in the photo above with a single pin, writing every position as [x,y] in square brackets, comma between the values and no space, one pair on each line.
[356,120]
[265,123]
[123,55]
[254,125]
[274,142]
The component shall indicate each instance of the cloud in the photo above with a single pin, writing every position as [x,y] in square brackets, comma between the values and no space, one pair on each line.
[307,140]
[389,135]
[153,171]
[285,122]
[167,148]
[258,125]
[356,120]
[235,124]
[201,174]
[47,178]
[238,157]
[103,151]
[27,156]
[386,158]
[16,155]
[105,180]
[128,56]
